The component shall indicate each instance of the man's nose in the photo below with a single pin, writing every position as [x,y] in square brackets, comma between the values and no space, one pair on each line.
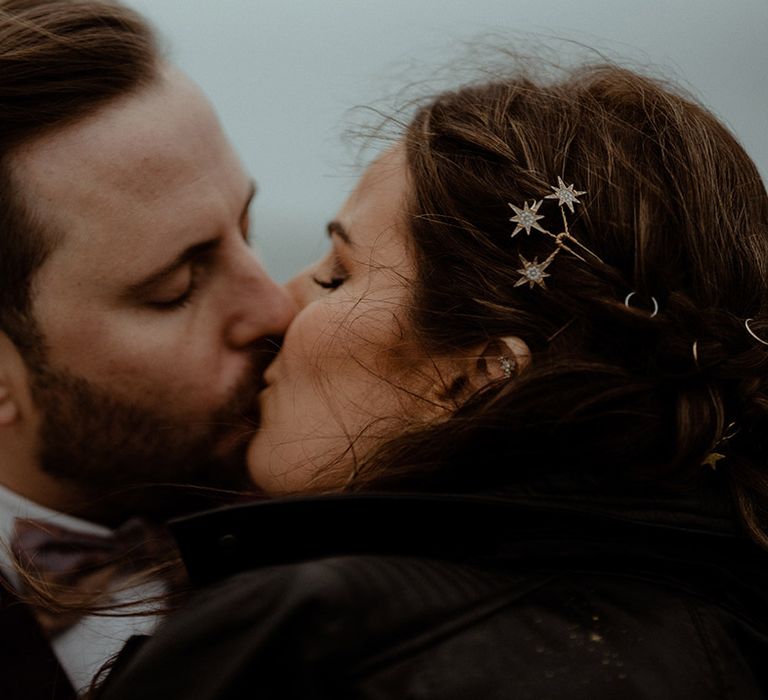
[267,309]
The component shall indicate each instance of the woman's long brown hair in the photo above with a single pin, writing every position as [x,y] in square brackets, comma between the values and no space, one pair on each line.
[678,214]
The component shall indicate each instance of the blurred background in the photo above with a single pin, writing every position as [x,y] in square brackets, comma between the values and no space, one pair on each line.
[286,75]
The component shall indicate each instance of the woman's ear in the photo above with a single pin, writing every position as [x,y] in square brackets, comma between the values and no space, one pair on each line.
[495,360]
[499,359]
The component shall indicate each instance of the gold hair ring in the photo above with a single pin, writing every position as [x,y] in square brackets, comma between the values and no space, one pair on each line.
[653,299]
[752,333]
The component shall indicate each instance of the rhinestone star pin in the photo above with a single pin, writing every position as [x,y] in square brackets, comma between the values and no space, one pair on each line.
[527,218]
[564,195]
[533,272]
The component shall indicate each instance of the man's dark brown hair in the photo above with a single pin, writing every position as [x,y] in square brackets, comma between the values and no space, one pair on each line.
[60,60]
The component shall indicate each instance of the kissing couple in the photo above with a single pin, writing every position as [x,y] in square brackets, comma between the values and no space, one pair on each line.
[506,439]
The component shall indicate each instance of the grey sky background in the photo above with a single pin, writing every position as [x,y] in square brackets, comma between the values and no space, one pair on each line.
[284,74]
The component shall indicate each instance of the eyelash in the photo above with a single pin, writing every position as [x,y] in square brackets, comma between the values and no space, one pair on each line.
[331,284]
[338,277]
[181,301]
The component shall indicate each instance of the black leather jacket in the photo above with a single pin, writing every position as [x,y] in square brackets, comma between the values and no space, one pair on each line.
[460,598]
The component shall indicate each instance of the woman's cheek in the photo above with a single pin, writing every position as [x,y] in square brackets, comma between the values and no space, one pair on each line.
[313,337]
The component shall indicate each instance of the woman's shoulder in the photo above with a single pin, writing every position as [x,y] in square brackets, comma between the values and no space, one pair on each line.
[469,631]
[369,592]
[480,599]
[282,625]
[447,630]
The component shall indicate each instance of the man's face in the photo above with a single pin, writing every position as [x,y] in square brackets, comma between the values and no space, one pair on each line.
[152,307]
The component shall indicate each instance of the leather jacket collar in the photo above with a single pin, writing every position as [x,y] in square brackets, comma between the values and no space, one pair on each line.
[542,532]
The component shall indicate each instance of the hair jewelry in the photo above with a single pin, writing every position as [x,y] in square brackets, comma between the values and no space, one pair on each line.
[695,350]
[752,333]
[653,299]
[528,218]
[716,454]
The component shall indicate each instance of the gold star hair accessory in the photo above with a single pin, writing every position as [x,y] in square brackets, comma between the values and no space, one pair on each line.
[533,272]
[564,195]
[716,454]
[528,217]
[712,459]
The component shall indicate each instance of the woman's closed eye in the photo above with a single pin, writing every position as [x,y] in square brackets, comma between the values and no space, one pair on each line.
[331,284]
[333,278]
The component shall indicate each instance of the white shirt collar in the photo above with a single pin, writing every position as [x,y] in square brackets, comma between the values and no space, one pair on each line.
[83,649]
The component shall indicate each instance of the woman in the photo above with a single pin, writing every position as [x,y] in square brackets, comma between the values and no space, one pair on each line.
[535,365]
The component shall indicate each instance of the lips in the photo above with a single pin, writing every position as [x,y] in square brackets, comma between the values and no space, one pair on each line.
[271,373]
[266,381]
[263,356]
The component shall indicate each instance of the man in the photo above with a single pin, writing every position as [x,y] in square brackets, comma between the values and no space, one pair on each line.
[134,320]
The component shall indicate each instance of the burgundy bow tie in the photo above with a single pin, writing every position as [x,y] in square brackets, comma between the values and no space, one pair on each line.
[64,571]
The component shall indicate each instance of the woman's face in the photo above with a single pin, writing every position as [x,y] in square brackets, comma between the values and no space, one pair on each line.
[348,374]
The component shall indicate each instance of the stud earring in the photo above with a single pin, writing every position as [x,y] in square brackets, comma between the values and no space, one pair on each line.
[507,366]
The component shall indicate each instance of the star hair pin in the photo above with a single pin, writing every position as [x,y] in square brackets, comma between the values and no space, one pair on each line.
[527,218]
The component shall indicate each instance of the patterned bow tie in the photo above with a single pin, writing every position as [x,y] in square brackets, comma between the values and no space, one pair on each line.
[64,572]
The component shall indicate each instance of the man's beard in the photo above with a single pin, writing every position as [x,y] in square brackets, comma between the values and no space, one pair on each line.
[127,459]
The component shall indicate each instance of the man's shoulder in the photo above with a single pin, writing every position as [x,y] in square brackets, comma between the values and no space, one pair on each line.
[28,667]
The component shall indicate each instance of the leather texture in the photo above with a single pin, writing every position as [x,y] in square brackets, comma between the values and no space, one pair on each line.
[440,597]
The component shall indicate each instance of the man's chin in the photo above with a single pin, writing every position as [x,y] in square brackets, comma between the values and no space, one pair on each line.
[127,460]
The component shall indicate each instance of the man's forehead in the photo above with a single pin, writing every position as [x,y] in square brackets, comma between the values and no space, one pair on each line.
[147,160]
[157,131]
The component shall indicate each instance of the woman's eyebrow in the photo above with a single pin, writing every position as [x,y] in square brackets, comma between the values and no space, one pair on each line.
[337,228]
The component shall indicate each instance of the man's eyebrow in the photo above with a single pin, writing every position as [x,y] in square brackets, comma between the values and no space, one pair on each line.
[336,228]
[185,256]
[145,285]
